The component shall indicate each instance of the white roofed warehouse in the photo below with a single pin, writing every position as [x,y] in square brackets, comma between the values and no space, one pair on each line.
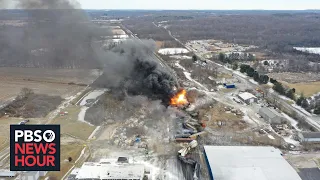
[109,169]
[247,163]
[247,97]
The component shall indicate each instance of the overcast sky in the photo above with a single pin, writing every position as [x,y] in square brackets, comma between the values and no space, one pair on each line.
[191,4]
[201,4]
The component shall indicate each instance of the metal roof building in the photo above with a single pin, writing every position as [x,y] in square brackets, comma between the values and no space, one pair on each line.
[247,163]
[271,115]
[309,137]
[247,97]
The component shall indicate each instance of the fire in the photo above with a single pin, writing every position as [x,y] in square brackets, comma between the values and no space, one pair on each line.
[180,98]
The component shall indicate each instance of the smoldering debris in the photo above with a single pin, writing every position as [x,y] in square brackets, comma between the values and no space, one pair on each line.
[130,68]
[58,34]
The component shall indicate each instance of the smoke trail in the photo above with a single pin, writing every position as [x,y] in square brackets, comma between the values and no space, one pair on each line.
[130,67]
[56,35]
[60,35]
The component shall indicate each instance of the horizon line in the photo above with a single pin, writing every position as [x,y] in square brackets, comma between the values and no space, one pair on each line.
[176,9]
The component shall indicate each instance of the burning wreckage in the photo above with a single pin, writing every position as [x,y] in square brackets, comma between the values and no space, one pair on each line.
[129,70]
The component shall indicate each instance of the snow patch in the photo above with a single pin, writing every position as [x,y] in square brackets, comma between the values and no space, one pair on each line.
[301,109]
[312,50]
[292,121]
[239,74]
[122,36]
[94,132]
[291,141]
[285,98]
[180,57]
[270,84]
[171,51]
[253,82]
[179,66]
[270,136]
[82,114]
[92,95]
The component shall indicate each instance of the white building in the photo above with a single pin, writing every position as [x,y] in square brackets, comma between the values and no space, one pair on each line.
[6,173]
[247,97]
[248,163]
[311,137]
[32,175]
[110,170]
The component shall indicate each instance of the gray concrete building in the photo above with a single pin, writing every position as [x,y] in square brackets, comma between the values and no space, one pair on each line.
[271,115]
[311,137]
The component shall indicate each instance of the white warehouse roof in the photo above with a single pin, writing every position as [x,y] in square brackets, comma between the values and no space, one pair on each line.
[245,96]
[98,170]
[249,163]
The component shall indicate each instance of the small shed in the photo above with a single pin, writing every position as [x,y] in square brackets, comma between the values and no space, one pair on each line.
[310,137]
[271,115]
[247,97]
[6,173]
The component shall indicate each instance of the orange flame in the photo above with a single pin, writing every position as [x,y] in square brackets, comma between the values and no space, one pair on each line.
[180,98]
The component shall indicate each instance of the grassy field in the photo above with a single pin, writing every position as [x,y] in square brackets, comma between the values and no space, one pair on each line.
[5,128]
[308,89]
[72,150]
[70,125]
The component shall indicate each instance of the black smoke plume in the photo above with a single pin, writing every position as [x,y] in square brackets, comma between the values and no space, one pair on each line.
[131,68]
[57,34]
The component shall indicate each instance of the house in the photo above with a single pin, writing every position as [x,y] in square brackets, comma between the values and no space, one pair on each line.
[310,137]
[271,115]
[247,162]
[247,97]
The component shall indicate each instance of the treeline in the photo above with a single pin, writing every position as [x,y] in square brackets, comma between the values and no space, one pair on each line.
[308,104]
[262,79]
[278,87]
[276,33]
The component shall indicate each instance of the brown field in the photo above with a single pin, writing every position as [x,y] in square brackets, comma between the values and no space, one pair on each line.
[70,125]
[44,81]
[79,76]
[217,113]
[5,128]
[308,89]
[295,77]
[71,150]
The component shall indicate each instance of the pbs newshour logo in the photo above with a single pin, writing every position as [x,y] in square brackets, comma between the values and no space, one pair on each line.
[35,147]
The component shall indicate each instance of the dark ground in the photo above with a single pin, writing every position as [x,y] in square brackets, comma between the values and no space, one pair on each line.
[309,173]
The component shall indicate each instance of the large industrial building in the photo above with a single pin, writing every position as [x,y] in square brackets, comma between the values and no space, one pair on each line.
[271,115]
[109,169]
[310,137]
[248,162]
